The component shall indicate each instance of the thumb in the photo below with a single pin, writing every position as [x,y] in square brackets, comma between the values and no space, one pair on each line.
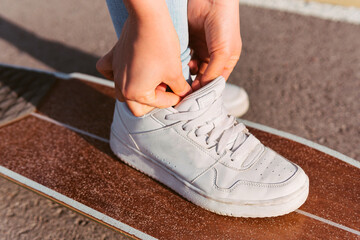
[159,99]
[138,109]
[179,86]
[104,65]
[215,68]
[165,99]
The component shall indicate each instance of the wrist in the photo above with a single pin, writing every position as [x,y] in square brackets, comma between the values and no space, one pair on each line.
[147,11]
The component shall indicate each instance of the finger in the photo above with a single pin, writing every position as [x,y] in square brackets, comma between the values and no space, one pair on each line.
[196,84]
[215,68]
[165,99]
[193,66]
[179,86]
[226,73]
[104,65]
[157,98]
[138,109]
[198,79]
[119,96]
[162,87]
[108,74]
[202,68]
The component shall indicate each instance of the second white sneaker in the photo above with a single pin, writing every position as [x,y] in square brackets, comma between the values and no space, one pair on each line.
[207,157]
[235,99]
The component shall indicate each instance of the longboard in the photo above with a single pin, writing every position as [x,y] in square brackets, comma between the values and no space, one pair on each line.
[61,152]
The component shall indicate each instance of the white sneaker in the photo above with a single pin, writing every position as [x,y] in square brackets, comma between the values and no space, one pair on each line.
[235,99]
[203,154]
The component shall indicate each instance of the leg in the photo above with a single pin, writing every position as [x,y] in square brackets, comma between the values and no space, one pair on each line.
[178,13]
[236,100]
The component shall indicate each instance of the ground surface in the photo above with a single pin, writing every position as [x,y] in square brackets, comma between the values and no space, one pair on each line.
[302,75]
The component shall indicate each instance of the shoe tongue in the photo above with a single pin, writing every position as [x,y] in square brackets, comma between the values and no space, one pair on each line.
[203,97]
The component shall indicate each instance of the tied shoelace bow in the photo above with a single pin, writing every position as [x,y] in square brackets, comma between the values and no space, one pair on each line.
[221,128]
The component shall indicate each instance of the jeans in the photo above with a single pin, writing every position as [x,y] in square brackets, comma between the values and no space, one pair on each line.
[178,13]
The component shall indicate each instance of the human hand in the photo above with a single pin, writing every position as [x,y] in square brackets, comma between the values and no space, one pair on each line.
[214,31]
[145,59]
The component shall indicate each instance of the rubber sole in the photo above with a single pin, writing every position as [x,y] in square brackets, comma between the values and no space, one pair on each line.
[153,169]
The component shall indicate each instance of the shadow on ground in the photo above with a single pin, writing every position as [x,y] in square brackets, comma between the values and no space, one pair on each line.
[55,54]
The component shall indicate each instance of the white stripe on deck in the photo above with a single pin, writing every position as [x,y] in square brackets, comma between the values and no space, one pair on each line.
[75,204]
[303,141]
[310,215]
[42,117]
[334,224]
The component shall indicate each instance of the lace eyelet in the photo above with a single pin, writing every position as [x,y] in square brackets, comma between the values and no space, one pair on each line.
[166,117]
[183,128]
[232,159]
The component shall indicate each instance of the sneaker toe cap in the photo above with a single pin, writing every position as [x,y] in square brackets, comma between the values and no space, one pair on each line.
[271,177]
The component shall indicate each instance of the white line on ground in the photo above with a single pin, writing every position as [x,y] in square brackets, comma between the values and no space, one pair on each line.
[334,224]
[315,9]
[92,79]
[303,141]
[75,204]
[66,76]
[69,127]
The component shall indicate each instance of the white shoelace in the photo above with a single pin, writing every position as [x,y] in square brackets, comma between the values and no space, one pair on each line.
[222,129]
